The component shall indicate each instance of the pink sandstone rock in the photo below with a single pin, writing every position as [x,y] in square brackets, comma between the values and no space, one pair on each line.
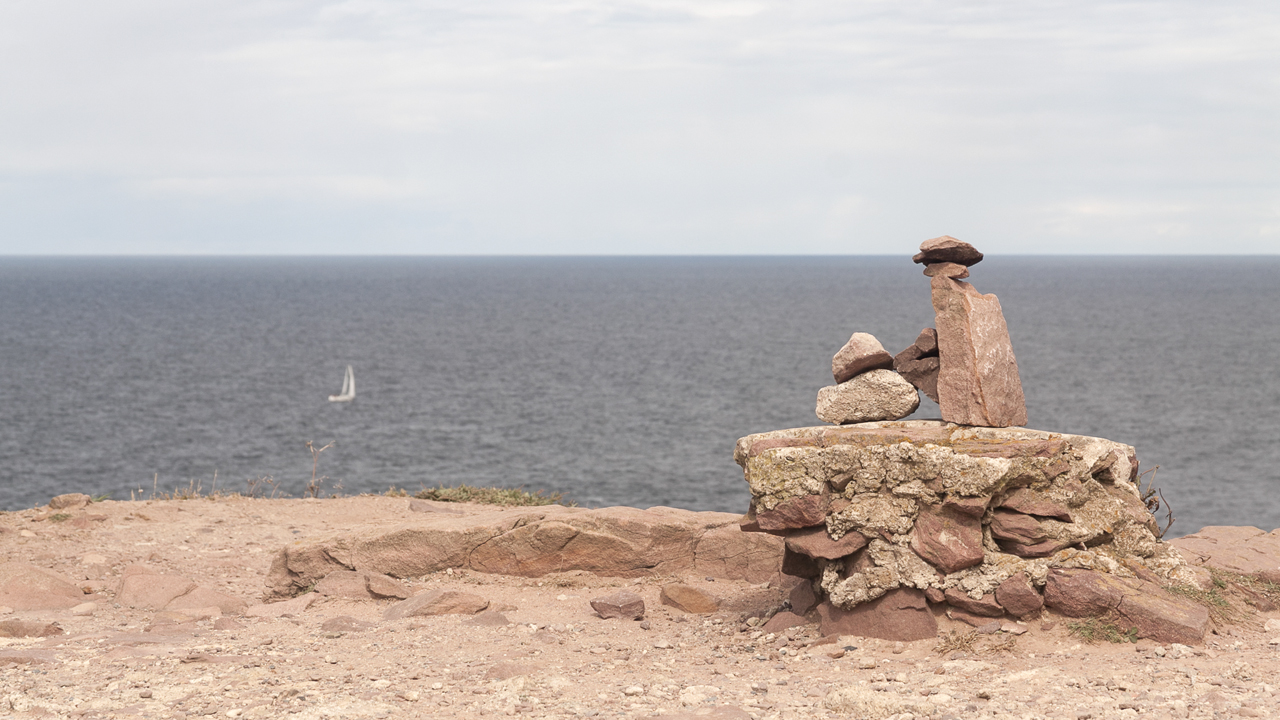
[202,596]
[689,598]
[947,249]
[362,585]
[816,542]
[153,591]
[802,598]
[863,352]
[69,501]
[782,621]
[870,397]
[946,269]
[1022,535]
[1155,613]
[437,602]
[1018,597]
[799,512]
[918,363]
[900,614]
[946,539]
[1244,550]
[622,604]
[1030,502]
[27,587]
[986,606]
[978,381]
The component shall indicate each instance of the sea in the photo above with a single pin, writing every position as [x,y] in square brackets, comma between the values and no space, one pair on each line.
[608,380]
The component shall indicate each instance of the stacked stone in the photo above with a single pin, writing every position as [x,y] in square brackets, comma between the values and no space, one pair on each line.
[867,388]
[885,518]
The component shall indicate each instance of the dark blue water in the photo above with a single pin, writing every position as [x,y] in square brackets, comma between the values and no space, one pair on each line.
[612,380]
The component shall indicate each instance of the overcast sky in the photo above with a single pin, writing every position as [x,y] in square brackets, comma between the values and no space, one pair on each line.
[667,127]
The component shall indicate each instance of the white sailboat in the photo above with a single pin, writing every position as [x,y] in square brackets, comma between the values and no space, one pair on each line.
[348,388]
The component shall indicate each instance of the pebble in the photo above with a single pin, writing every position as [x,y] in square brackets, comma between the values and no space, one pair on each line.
[84,609]
[145,694]
[867,663]
[633,691]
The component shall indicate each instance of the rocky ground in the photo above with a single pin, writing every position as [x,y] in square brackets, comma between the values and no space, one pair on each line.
[539,650]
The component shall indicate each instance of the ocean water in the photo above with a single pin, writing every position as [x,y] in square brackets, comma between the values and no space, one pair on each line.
[616,381]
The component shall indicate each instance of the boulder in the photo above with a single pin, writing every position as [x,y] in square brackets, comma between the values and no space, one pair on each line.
[689,598]
[816,542]
[985,606]
[947,249]
[900,614]
[623,604]
[437,602]
[871,396]
[617,542]
[946,269]
[1017,596]
[1155,613]
[947,539]
[863,352]
[69,501]
[361,585]
[1244,550]
[978,382]
[26,587]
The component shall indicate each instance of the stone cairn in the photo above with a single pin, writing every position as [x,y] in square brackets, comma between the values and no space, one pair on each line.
[890,523]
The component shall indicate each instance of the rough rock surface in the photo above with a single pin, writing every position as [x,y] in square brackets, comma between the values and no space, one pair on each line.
[1153,612]
[623,604]
[947,249]
[918,364]
[1245,550]
[689,599]
[863,352]
[929,507]
[978,382]
[871,396]
[69,501]
[361,585]
[622,542]
[24,586]
[899,614]
[946,269]
[437,602]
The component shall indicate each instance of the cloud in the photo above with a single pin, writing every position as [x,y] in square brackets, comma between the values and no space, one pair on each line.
[640,127]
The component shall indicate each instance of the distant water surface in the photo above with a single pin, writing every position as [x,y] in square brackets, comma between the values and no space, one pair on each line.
[612,380]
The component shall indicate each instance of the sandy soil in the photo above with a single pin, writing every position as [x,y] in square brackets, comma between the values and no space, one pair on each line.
[555,658]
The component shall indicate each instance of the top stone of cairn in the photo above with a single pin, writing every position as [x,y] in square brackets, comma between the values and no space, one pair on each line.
[947,249]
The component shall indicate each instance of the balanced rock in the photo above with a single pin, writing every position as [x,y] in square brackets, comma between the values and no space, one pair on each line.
[946,269]
[978,381]
[623,604]
[918,364]
[947,249]
[863,352]
[871,396]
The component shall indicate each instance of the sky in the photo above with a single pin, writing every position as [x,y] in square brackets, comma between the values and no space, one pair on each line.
[667,127]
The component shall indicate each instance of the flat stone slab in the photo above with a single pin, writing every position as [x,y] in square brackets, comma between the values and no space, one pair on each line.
[531,542]
[1245,550]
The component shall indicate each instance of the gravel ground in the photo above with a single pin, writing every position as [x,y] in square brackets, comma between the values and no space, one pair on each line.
[540,651]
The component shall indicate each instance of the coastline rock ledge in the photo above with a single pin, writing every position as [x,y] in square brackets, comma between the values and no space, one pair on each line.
[884,518]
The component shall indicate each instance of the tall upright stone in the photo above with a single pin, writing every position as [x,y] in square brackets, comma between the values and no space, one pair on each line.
[978,381]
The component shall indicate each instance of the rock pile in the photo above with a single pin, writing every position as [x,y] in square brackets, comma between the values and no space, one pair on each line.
[889,523]
[966,365]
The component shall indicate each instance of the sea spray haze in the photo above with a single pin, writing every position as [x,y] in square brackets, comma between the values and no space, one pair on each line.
[612,380]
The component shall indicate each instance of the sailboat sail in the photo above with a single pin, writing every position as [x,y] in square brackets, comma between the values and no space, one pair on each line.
[348,388]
